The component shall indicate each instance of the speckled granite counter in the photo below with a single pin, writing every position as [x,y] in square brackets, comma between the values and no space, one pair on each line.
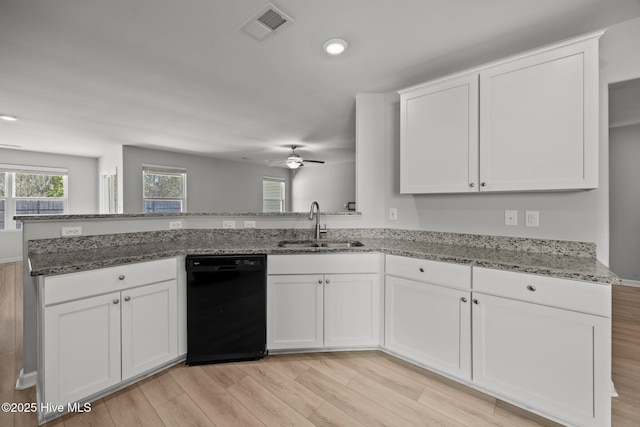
[572,260]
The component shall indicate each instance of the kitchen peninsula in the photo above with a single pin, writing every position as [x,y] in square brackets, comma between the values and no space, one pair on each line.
[532,296]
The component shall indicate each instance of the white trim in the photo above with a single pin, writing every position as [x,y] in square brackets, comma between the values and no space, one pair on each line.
[629,282]
[4,167]
[9,260]
[26,381]
[546,48]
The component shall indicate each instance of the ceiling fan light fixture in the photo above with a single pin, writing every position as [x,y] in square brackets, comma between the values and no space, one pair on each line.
[335,46]
[293,163]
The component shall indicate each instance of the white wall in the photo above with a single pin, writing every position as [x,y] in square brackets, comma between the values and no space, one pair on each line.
[82,191]
[624,149]
[213,185]
[331,185]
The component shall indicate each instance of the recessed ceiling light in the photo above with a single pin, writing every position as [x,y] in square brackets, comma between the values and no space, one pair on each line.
[8,118]
[335,46]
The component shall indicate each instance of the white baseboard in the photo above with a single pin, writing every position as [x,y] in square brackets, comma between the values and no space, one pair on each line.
[8,260]
[26,380]
[628,282]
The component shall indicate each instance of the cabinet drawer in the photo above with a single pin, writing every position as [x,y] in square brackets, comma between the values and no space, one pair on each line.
[434,272]
[94,282]
[323,263]
[594,298]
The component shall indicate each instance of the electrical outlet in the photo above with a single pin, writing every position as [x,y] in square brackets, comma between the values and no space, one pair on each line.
[510,217]
[71,231]
[531,218]
[249,224]
[393,214]
[175,224]
[228,224]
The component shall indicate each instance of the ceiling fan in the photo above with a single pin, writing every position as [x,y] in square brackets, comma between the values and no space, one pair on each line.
[294,161]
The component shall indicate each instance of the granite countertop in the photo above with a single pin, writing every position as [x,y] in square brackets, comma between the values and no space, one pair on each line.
[583,268]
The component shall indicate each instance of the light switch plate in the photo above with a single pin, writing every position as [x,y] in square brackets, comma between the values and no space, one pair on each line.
[249,224]
[510,217]
[393,214]
[228,224]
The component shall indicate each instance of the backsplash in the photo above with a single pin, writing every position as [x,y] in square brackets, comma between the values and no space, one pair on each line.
[543,246]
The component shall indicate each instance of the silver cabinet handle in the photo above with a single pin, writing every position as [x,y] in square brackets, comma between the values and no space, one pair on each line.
[464,299]
[327,281]
[127,298]
[531,288]
[483,184]
[121,277]
[476,302]
[319,281]
[115,301]
[472,184]
[421,270]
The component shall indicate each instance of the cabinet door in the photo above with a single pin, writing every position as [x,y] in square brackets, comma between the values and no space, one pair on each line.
[439,137]
[149,327]
[550,359]
[351,310]
[429,324]
[539,121]
[294,312]
[81,348]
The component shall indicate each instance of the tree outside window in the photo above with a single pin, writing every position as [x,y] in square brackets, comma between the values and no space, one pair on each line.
[164,189]
[30,192]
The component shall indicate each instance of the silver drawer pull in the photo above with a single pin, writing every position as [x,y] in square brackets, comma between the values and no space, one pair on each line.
[121,277]
[327,282]
[531,288]
[421,270]
[115,301]
[319,281]
[476,302]
[127,298]
[464,299]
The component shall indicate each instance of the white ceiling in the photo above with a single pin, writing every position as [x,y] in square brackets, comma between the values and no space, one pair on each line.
[178,75]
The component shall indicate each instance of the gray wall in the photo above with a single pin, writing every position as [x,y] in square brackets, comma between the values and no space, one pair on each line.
[331,185]
[213,185]
[82,191]
[624,157]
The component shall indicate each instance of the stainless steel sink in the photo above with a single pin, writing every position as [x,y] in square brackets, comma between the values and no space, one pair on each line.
[338,245]
[319,244]
[298,244]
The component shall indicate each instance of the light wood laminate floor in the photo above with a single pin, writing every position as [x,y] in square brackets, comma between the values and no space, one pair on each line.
[327,389]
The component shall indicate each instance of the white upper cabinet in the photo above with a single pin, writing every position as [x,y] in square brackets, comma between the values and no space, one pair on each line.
[439,134]
[530,124]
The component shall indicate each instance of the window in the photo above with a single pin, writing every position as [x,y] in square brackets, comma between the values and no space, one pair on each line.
[164,189]
[273,192]
[31,190]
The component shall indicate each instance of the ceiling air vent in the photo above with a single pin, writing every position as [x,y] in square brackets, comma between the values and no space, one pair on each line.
[266,22]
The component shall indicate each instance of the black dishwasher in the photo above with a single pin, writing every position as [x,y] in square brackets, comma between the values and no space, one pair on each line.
[226,308]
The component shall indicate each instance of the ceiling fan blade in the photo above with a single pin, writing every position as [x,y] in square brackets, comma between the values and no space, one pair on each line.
[314,161]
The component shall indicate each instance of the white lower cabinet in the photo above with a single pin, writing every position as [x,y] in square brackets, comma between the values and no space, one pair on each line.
[295,311]
[82,343]
[544,343]
[428,313]
[547,358]
[429,324]
[91,343]
[339,309]
[149,327]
